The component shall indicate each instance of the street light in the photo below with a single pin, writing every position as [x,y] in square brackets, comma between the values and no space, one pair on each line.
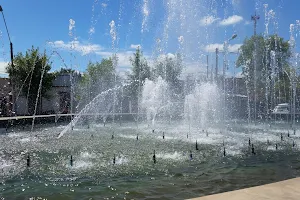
[11,56]
[233,37]
[11,45]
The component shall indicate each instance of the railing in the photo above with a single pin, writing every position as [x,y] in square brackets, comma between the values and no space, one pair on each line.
[62,115]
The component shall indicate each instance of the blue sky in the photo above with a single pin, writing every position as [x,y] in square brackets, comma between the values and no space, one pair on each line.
[192,27]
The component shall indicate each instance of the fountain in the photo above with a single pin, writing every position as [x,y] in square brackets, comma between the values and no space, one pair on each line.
[175,139]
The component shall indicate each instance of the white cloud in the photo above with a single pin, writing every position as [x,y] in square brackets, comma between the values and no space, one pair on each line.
[2,67]
[231,48]
[247,22]
[84,49]
[234,19]
[212,47]
[208,20]
[239,75]
[163,57]
[234,48]
[135,46]
[123,57]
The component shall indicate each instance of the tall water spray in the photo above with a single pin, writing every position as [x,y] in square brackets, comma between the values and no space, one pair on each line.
[154,98]
[294,63]
[203,105]
[113,35]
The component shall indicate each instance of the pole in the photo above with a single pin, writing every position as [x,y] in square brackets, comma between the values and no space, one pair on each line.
[71,97]
[217,60]
[11,58]
[207,73]
[212,73]
[224,84]
[294,100]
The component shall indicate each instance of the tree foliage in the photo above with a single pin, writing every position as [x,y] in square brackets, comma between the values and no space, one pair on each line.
[65,71]
[169,68]
[99,76]
[140,71]
[26,75]
[272,56]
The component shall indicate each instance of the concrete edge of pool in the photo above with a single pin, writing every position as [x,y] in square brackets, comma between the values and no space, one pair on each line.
[287,190]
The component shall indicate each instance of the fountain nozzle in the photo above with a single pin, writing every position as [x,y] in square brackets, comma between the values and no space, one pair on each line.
[28,161]
[253,152]
[294,144]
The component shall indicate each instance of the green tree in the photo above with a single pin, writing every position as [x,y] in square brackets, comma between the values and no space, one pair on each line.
[169,68]
[272,56]
[99,76]
[65,71]
[140,71]
[26,75]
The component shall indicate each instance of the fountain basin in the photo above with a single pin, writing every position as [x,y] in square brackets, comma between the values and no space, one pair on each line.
[134,175]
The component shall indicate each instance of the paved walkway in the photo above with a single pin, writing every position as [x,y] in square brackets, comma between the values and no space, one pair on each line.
[286,190]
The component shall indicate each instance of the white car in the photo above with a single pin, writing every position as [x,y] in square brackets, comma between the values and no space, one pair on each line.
[283,108]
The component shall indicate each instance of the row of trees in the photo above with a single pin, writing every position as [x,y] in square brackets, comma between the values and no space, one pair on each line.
[267,70]
[26,76]
[272,72]
[99,76]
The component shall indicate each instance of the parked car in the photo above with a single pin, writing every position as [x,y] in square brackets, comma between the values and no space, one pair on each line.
[283,109]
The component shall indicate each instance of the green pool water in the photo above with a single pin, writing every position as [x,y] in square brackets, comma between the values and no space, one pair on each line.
[134,175]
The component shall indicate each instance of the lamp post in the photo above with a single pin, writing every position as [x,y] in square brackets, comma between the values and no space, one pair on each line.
[11,56]
[225,50]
